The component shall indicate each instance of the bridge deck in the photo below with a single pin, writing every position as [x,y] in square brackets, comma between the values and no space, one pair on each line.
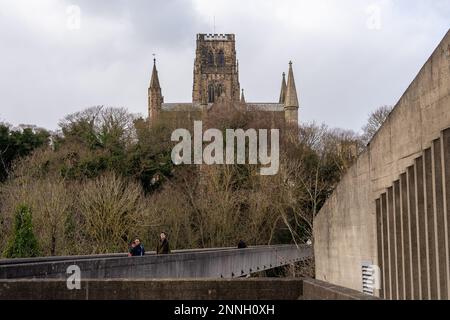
[203,263]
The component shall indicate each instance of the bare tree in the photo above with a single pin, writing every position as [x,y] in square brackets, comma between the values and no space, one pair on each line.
[375,121]
[111,209]
[100,126]
[50,202]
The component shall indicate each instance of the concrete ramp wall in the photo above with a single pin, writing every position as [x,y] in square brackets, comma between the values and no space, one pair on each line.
[345,230]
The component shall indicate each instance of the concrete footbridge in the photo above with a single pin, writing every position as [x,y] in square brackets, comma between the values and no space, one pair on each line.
[199,263]
[200,274]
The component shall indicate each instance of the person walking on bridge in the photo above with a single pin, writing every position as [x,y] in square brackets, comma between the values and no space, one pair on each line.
[138,249]
[242,244]
[163,244]
[131,248]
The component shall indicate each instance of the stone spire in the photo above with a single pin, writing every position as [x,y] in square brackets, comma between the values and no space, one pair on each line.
[291,100]
[283,89]
[154,82]
[155,98]
[242,96]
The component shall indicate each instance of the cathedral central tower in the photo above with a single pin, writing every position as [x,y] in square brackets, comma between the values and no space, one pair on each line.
[216,72]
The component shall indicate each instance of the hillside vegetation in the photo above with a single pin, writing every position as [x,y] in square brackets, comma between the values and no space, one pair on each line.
[107,177]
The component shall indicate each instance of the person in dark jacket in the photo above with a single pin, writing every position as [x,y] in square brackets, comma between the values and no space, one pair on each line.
[131,248]
[163,244]
[242,244]
[138,249]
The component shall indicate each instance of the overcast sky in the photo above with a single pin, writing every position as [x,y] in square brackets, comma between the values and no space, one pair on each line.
[350,56]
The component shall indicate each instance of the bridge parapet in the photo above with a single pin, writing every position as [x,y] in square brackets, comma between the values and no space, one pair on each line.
[206,263]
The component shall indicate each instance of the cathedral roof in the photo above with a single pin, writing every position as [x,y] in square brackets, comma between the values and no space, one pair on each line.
[265,106]
[261,106]
[180,106]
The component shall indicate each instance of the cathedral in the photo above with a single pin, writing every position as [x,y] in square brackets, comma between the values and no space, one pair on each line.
[216,79]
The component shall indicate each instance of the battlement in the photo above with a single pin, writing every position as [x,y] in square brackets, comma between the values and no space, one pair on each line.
[215,37]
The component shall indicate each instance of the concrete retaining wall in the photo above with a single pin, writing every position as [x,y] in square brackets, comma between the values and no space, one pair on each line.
[414,253]
[182,289]
[345,230]
[319,290]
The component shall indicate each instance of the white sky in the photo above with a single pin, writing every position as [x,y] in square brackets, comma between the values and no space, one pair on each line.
[350,56]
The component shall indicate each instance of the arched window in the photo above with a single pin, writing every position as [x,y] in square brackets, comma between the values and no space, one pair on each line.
[220,58]
[211,94]
[210,58]
[219,90]
[204,55]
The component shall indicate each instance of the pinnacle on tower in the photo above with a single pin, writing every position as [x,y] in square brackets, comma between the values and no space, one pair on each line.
[154,82]
[155,98]
[242,96]
[291,100]
[283,89]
